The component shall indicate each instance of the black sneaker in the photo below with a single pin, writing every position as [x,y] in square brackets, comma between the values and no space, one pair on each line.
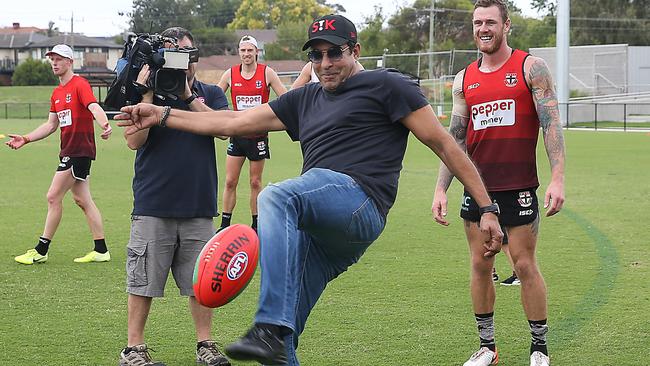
[511,281]
[495,276]
[259,344]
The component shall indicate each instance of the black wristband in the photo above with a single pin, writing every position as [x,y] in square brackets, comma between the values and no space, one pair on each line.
[189,100]
[163,120]
[140,88]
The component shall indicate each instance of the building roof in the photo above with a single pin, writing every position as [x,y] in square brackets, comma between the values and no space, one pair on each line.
[78,40]
[220,62]
[261,35]
[17,29]
[20,40]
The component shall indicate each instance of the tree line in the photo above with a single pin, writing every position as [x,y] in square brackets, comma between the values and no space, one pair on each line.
[213,23]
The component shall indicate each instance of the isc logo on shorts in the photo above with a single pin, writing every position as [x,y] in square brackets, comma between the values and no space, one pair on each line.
[496,113]
[237,266]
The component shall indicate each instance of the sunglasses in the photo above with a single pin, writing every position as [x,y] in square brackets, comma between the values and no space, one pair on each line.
[333,54]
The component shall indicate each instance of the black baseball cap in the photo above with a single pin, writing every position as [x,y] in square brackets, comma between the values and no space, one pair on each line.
[335,29]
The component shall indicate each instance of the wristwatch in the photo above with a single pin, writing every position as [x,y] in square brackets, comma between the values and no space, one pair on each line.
[189,100]
[491,208]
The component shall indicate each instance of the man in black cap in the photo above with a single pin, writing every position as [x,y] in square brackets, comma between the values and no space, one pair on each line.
[353,127]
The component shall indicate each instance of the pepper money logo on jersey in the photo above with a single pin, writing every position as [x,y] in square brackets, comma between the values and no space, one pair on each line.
[247,101]
[495,113]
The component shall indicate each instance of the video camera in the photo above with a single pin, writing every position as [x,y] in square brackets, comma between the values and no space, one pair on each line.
[167,65]
[167,69]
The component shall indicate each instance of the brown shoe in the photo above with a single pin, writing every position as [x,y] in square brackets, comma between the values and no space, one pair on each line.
[137,356]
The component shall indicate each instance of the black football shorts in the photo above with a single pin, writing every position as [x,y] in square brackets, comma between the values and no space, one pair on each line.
[254,149]
[518,207]
[80,166]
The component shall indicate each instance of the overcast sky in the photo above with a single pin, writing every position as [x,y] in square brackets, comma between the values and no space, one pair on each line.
[100,18]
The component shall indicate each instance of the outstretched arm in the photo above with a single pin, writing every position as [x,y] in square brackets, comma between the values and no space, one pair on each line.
[541,82]
[41,132]
[260,119]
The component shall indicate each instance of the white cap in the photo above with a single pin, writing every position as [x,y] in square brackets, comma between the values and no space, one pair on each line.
[62,50]
[248,39]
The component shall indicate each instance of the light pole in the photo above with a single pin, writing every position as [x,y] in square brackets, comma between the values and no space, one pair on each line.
[562,55]
[432,15]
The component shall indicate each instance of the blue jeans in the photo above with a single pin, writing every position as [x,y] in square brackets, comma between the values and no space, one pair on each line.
[311,229]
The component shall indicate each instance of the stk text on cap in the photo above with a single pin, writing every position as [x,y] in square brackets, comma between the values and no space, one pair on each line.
[335,29]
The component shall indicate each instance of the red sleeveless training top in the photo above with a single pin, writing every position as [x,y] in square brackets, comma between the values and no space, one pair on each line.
[503,124]
[248,93]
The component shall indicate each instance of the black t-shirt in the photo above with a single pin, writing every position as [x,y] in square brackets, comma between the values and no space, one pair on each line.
[175,171]
[355,130]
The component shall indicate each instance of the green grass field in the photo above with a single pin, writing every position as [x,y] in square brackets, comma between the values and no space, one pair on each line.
[405,303]
[612,125]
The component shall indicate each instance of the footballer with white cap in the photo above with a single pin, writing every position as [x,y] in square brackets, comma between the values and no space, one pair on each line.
[73,107]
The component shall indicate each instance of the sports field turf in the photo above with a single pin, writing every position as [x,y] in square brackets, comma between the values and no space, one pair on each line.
[405,303]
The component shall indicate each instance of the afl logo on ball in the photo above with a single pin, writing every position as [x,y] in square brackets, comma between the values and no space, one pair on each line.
[237,266]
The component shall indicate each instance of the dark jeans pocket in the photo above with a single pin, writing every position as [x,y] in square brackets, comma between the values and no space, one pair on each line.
[136,264]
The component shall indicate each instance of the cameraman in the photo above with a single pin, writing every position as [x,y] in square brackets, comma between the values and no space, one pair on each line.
[170,233]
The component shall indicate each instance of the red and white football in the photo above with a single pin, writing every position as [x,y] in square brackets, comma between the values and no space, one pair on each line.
[226,265]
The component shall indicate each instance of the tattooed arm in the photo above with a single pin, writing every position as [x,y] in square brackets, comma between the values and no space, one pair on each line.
[458,129]
[539,78]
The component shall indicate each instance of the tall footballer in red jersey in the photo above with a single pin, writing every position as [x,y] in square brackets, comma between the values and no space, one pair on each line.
[250,83]
[500,103]
[72,110]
